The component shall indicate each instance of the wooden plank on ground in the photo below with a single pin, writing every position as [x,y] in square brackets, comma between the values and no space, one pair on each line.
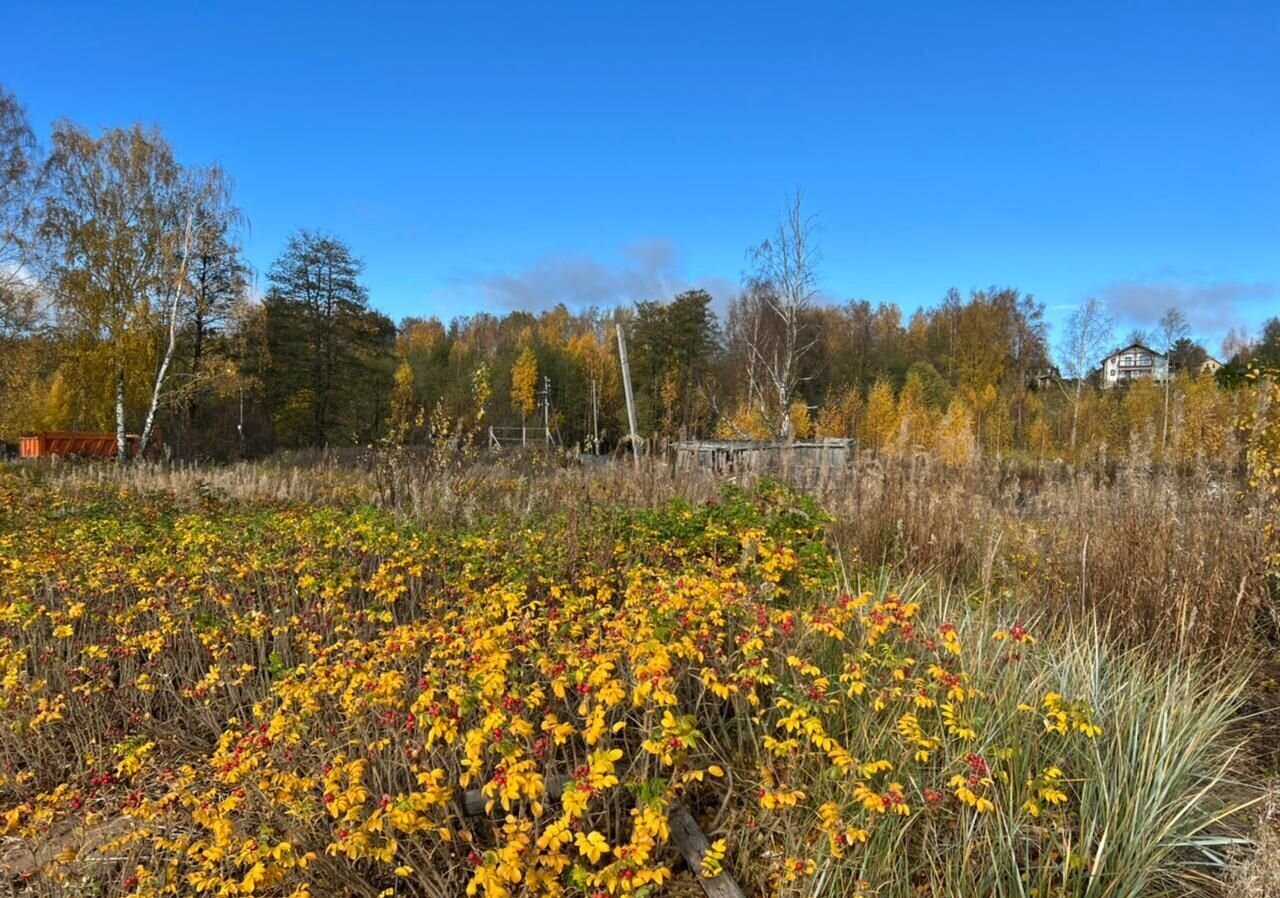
[693,844]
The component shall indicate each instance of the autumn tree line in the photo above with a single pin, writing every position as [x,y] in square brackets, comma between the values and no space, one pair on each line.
[126,305]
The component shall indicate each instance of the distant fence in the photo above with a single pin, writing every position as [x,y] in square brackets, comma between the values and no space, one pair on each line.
[521,437]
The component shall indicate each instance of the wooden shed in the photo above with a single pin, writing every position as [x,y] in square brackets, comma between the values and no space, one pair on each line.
[83,444]
[805,460]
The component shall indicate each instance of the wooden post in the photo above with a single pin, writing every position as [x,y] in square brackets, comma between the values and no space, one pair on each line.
[631,399]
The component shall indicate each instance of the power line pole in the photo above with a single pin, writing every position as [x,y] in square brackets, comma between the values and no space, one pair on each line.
[546,409]
[595,419]
[631,399]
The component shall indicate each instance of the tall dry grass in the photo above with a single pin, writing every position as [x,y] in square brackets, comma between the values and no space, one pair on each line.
[413,484]
[1172,559]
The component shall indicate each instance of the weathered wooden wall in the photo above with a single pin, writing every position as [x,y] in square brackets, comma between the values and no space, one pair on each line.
[804,461]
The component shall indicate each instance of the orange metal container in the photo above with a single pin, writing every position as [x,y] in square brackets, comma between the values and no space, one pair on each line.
[79,443]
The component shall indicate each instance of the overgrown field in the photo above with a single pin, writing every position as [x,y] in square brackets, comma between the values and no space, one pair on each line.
[202,694]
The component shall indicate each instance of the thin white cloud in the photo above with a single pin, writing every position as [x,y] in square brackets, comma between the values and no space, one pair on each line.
[640,271]
[1211,308]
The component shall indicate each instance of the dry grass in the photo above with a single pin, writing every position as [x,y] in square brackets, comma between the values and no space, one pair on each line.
[1174,560]
[1171,560]
[417,486]
[1257,874]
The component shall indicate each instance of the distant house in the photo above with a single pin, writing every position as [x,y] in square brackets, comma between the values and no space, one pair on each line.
[1133,362]
[1043,377]
[1210,366]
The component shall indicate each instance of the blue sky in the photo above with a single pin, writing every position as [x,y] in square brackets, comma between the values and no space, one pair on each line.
[482,155]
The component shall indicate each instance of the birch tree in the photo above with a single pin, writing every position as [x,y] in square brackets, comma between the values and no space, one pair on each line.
[170,308]
[769,320]
[112,221]
[524,384]
[1086,336]
[21,176]
[20,308]
[208,276]
[1172,328]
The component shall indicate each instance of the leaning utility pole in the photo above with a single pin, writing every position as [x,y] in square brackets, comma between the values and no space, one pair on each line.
[631,399]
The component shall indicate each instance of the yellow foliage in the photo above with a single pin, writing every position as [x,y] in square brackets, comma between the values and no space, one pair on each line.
[524,382]
[840,415]
[880,425]
[955,443]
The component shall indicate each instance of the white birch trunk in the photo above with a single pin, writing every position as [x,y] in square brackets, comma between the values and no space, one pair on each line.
[1075,416]
[1164,435]
[158,387]
[121,449]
